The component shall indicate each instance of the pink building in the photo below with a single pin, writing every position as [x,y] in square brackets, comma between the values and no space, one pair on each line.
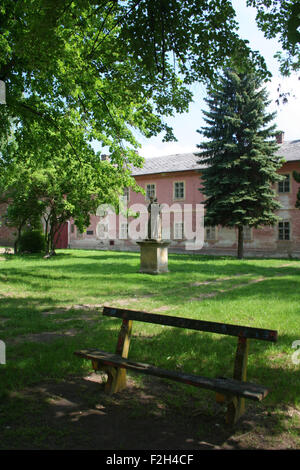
[175,180]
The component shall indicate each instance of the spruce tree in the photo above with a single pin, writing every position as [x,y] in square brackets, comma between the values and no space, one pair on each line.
[238,153]
[296,176]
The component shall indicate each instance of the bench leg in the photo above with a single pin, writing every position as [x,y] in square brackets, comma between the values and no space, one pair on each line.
[236,407]
[116,377]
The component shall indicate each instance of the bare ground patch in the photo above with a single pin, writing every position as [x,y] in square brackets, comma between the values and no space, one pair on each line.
[163,308]
[44,337]
[216,281]
[222,291]
[77,414]
[91,308]
[126,301]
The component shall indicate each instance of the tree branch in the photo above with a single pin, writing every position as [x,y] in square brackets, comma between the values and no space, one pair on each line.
[118,22]
[100,30]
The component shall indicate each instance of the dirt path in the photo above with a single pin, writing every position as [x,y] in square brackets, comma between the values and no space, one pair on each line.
[77,414]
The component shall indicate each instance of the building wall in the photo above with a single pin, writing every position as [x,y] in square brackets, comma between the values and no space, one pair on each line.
[263,242]
[6,234]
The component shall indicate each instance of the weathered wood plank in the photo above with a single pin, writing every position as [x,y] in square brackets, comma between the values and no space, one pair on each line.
[237,407]
[124,338]
[200,325]
[223,385]
[119,382]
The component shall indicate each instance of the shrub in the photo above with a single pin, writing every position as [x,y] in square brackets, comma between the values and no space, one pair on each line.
[32,241]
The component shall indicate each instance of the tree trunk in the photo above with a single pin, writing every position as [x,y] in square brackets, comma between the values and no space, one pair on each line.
[240,253]
[52,233]
[46,237]
[17,241]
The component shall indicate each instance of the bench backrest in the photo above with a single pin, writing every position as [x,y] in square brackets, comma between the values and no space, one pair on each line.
[200,325]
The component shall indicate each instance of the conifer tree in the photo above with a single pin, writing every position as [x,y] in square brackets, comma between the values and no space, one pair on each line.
[296,176]
[238,153]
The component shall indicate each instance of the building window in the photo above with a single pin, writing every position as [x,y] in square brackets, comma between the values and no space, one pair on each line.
[284,185]
[126,193]
[124,231]
[284,231]
[210,233]
[72,228]
[179,190]
[247,232]
[101,230]
[150,191]
[90,232]
[178,230]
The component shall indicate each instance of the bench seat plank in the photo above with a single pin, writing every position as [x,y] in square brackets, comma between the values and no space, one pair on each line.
[223,385]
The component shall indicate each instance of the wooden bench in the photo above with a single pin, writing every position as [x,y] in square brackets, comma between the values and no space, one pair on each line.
[232,391]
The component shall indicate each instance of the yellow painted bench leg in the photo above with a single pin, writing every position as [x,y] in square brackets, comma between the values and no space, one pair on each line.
[116,377]
[235,409]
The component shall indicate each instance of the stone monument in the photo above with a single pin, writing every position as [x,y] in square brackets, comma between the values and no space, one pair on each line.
[154,250]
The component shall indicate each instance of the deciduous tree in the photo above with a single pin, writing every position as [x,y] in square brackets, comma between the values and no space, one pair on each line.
[107,67]
[281,20]
[55,184]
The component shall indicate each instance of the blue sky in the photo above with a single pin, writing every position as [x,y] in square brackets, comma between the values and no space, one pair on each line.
[186,125]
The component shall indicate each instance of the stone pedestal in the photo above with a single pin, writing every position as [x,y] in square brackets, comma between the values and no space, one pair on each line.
[154,256]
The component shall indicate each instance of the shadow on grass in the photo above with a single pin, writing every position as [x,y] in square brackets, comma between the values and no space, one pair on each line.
[74,413]
[158,409]
[201,353]
[103,267]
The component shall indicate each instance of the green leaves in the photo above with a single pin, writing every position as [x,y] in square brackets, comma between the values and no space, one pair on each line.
[281,19]
[107,68]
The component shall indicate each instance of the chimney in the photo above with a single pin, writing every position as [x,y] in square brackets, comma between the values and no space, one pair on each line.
[280,137]
[104,158]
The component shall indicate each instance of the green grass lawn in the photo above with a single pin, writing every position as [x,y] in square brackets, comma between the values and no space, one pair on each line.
[57,295]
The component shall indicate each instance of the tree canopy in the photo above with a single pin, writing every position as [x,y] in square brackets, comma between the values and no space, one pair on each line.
[54,184]
[96,70]
[281,19]
[104,68]
[239,154]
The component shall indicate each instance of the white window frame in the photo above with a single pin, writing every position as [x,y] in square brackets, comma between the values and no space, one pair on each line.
[250,229]
[288,180]
[215,234]
[150,184]
[283,229]
[178,230]
[178,198]
[101,230]
[124,231]
[126,193]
